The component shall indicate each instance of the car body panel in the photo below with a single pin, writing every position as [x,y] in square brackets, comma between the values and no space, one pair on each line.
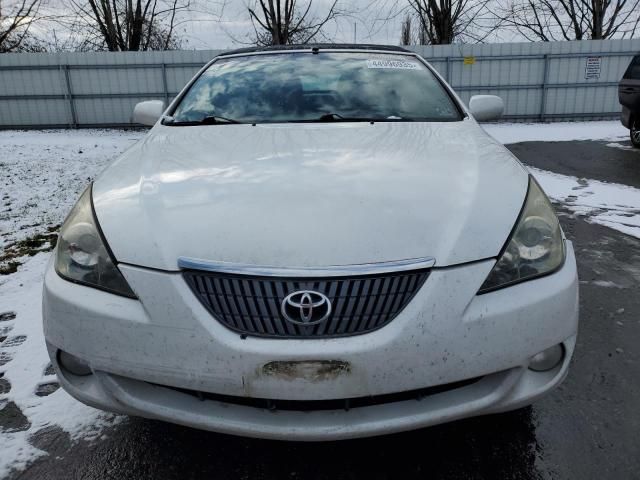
[629,92]
[446,334]
[311,194]
[626,117]
[494,393]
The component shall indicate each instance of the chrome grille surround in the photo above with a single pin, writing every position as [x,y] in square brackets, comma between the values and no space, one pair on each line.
[251,304]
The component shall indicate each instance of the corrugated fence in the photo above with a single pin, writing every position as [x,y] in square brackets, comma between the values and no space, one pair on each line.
[538,81]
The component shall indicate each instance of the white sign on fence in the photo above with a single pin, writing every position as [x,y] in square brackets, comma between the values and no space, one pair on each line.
[592,69]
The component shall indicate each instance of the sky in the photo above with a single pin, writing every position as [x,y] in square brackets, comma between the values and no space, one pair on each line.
[226,23]
[219,24]
[211,25]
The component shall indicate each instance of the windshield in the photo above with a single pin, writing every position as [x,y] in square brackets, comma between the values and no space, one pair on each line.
[306,87]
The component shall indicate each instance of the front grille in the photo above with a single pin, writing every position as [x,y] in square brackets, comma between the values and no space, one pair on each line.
[317,405]
[252,305]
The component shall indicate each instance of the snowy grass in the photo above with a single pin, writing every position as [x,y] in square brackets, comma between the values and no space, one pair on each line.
[44,172]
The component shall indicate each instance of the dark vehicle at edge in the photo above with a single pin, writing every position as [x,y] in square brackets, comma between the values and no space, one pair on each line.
[629,97]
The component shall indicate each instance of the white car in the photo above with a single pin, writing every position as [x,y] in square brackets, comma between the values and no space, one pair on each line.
[312,243]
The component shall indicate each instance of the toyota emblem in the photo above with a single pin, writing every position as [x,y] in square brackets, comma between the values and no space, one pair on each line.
[306,307]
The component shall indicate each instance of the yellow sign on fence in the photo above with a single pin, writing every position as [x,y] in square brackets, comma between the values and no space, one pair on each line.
[469,60]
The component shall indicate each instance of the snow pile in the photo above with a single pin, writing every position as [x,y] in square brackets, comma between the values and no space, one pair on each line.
[610,204]
[556,132]
[25,371]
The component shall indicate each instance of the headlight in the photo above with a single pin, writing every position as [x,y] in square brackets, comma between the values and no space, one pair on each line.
[82,255]
[536,245]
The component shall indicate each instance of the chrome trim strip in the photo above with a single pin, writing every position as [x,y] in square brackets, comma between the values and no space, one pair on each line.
[408,264]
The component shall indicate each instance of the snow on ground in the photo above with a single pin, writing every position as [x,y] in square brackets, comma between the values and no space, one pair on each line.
[25,375]
[629,147]
[557,131]
[616,206]
[610,204]
[42,173]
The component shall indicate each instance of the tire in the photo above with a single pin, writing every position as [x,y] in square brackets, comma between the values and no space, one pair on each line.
[634,133]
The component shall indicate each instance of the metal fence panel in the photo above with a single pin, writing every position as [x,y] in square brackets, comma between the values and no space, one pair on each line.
[538,81]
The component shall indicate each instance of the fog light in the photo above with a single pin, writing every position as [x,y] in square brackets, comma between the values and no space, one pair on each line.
[73,364]
[547,359]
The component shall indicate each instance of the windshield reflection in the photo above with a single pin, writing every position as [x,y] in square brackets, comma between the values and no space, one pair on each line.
[325,87]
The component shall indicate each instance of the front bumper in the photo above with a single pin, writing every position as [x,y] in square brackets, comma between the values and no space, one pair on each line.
[625,117]
[445,335]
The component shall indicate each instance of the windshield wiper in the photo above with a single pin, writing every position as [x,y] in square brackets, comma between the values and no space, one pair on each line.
[208,120]
[336,117]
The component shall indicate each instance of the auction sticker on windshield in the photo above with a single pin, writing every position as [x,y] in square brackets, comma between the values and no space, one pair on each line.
[397,64]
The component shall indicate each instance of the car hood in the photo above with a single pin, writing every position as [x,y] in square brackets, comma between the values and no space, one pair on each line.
[310,195]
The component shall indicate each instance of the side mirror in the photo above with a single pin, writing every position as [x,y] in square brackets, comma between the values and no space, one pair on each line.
[148,113]
[486,107]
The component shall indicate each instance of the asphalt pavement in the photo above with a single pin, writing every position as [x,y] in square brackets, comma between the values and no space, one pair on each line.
[589,428]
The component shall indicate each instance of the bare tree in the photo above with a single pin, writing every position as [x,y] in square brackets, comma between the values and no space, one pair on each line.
[445,21]
[412,32]
[129,25]
[283,22]
[549,20]
[406,33]
[16,19]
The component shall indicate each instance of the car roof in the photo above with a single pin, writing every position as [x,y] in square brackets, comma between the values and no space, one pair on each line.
[317,46]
